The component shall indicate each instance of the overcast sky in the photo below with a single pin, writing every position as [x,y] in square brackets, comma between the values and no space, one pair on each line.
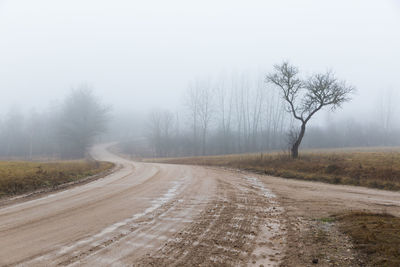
[143,54]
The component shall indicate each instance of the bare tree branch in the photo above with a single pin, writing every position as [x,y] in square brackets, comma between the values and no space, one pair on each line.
[285,77]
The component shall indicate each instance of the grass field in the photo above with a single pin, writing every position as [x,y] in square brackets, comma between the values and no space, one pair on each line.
[379,169]
[22,177]
[377,236]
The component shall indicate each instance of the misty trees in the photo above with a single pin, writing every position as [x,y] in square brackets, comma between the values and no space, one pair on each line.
[160,126]
[13,133]
[65,130]
[224,107]
[305,98]
[205,114]
[192,104]
[238,115]
[199,102]
[386,110]
[82,117]
[225,115]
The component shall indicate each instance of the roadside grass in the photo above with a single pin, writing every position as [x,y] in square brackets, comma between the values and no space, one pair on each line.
[22,177]
[327,220]
[379,169]
[377,236]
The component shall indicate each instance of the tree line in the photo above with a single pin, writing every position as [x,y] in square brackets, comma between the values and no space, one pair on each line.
[223,116]
[240,114]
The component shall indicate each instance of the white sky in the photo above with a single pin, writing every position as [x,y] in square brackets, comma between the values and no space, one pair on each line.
[142,54]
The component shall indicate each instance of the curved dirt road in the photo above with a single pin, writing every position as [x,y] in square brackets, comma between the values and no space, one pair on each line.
[145,214]
[161,215]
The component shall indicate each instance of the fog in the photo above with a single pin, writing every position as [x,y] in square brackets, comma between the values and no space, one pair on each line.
[143,55]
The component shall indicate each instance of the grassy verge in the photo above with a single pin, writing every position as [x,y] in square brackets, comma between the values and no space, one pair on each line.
[377,236]
[22,177]
[371,169]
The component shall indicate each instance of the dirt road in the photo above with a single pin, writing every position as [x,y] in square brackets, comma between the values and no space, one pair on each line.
[156,214]
[143,214]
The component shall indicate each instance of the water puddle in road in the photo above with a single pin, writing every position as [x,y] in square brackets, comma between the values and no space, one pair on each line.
[271,238]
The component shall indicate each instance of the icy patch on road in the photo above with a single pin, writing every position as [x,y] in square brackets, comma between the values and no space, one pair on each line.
[157,203]
[259,185]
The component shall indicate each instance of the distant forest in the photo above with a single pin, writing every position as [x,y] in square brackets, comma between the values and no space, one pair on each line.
[242,115]
[64,131]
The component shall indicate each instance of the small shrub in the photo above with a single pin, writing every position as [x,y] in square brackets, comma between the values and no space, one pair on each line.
[332,168]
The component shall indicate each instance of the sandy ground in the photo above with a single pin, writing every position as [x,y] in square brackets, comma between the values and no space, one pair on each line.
[308,204]
[164,215]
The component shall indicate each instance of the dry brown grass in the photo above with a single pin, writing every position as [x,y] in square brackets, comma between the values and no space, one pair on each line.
[23,177]
[377,236]
[379,169]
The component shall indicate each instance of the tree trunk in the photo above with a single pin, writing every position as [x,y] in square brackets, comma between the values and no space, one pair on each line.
[204,142]
[296,145]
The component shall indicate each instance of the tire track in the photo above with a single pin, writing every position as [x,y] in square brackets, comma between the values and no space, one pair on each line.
[228,231]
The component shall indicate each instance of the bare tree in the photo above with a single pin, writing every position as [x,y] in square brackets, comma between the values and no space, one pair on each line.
[205,113]
[224,108]
[304,98]
[200,106]
[192,101]
[160,131]
[387,109]
[258,99]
